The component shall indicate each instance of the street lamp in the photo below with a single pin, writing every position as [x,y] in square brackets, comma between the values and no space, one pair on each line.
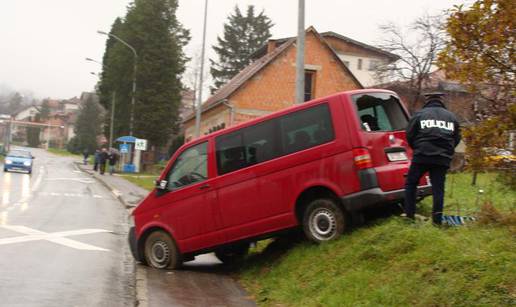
[131,120]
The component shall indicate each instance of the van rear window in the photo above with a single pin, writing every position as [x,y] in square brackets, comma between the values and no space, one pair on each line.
[380,112]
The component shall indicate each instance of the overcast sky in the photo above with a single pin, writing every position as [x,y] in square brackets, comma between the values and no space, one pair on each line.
[43,43]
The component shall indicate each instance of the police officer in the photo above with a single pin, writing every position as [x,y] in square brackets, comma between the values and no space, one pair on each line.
[432,133]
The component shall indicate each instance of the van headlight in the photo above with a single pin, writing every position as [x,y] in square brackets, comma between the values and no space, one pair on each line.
[26,163]
[7,161]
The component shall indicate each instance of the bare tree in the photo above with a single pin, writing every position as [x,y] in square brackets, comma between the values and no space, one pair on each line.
[191,76]
[417,48]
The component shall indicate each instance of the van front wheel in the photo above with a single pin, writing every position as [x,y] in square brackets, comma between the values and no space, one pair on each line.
[323,221]
[161,252]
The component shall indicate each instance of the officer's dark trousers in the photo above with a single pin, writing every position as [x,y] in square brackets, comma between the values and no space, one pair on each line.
[437,177]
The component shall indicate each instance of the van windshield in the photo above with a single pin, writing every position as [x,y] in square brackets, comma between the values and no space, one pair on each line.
[380,112]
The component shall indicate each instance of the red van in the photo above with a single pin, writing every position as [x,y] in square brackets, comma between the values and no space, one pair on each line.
[310,165]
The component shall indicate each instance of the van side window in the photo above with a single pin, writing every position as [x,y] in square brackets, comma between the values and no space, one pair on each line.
[190,167]
[247,147]
[306,128]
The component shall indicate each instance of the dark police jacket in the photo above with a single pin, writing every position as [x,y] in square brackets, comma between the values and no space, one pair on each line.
[433,132]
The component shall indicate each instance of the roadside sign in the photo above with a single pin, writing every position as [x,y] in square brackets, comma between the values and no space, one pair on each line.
[124,148]
[140,144]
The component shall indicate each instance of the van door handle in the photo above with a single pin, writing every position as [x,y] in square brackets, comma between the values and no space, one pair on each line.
[204,186]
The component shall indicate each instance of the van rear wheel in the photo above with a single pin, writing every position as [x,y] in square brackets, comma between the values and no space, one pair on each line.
[161,252]
[323,220]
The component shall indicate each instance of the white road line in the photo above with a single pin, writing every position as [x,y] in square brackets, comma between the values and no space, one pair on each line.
[55,237]
[38,179]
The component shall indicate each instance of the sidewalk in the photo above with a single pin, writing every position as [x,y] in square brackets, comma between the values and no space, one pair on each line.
[127,193]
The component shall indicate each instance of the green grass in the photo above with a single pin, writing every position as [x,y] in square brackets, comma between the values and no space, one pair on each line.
[145,181]
[63,152]
[389,262]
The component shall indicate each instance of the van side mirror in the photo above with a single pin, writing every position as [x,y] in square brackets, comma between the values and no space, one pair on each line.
[161,184]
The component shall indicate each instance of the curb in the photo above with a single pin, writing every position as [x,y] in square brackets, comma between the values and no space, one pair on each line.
[107,185]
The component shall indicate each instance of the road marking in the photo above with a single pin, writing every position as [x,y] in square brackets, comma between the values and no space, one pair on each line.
[69,194]
[38,179]
[55,237]
[81,180]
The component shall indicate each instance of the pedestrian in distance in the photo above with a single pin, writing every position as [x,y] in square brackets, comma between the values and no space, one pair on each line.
[85,155]
[96,160]
[103,158]
[432,133]
[113,159]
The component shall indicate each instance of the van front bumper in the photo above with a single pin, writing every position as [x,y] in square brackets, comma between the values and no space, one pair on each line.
[376,196]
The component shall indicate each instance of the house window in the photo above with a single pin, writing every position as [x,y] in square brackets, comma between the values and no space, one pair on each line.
[309,84]
[346,63]
[359,64]
[373,64]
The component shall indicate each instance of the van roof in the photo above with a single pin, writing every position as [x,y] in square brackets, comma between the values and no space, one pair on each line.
[285,111]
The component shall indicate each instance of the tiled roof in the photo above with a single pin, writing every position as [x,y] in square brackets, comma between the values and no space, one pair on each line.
[392,56]
[226,90]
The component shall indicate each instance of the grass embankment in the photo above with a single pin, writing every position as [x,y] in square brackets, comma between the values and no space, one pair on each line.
[389,262]
[145,181]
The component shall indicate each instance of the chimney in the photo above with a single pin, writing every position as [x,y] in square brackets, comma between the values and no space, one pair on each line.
[271,45]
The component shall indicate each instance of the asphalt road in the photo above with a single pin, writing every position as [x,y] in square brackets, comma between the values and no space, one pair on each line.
[62,239]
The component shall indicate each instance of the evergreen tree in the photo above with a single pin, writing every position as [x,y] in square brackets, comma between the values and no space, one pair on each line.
[243,35]
[117,74]
[152,28]
[88,125]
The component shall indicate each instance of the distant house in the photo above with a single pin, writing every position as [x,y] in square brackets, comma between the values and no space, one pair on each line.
[268,83]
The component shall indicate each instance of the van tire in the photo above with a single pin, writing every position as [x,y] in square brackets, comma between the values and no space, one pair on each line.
[323,220]
[161,252]
[233,253]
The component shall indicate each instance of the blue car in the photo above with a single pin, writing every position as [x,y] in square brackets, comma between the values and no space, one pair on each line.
[18,160]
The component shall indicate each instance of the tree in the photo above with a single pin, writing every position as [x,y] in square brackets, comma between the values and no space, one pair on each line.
[44,112]
[33,136]
[480,52]
[152,28]
[15,102]
[88,125]
[243,35]
[117,72]
[417,48]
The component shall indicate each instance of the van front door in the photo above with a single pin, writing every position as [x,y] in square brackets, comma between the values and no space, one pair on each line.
[190,202]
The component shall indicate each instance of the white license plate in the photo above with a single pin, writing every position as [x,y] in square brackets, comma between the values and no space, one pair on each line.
[397,156]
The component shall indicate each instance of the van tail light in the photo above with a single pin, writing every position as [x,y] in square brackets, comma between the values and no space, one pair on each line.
[362,158]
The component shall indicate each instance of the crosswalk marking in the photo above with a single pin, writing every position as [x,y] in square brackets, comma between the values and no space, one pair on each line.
[55,237]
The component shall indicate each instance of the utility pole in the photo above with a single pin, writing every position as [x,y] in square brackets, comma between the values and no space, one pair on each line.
[300,55]
[199,97]
[112,120]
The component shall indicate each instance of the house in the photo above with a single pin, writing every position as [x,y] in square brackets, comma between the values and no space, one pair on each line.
[268,83]
[361,59]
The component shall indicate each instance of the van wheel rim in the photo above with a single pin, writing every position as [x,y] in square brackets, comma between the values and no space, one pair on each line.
[323,224]
[160,254]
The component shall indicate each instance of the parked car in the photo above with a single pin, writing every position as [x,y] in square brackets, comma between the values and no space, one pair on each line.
[18,159]
[308,166]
